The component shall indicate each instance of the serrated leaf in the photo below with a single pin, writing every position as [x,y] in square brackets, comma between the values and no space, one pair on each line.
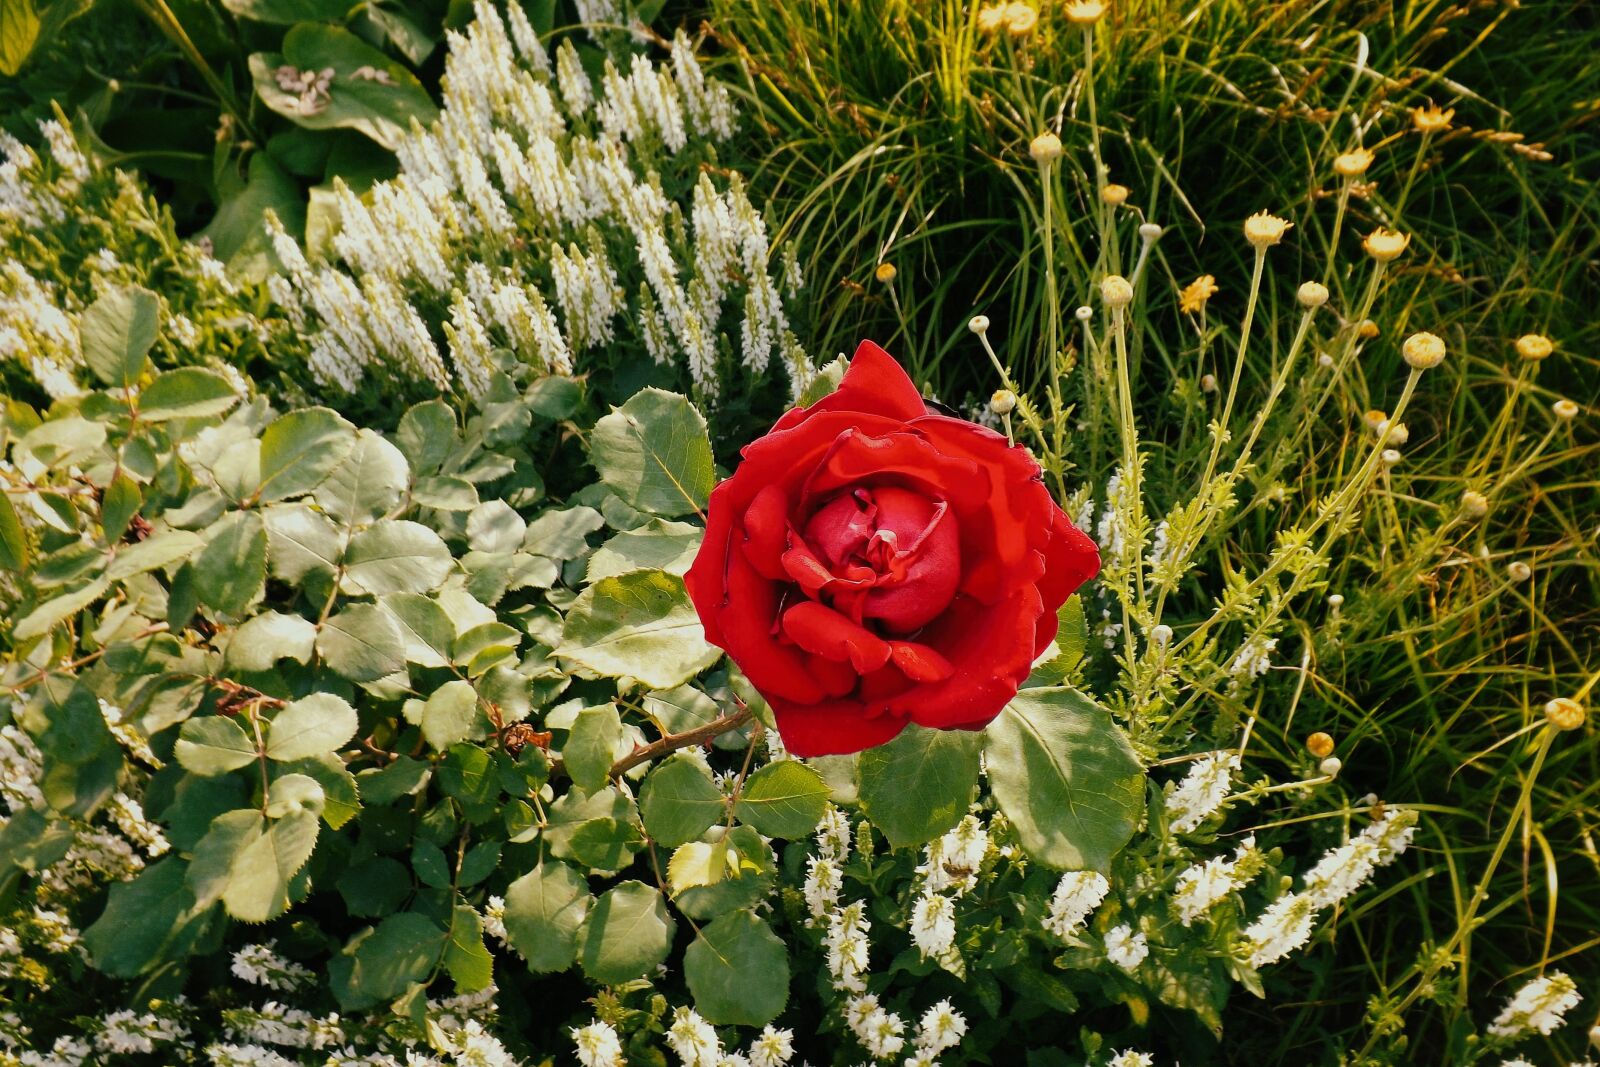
[588,753]
[918,786]
[699,863]
[258,889]
[186,393]
[783,799]
[639,625]
[465,956]
[660,544]
[262,640]
[231,569]
[301,543]
[362,643]
[300,449]
[148,919]
[425,629]
[625,935]
[403,949]
[738,971]
[444,492]
[751,871]
[368,483]
[1066,777]
[427,435]
[158,550]
[544,910]
[679,801]
[13,542]
[311,726]
[117,331]
[41,619]
[214,745]
[118,505]
[451,714]
[396,556]
[654,453]
[495,526]
[562,535]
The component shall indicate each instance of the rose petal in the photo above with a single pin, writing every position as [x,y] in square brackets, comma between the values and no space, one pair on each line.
[919,662]
[874,384]
[818,628]
[766,528]
[990,649]
[1070,560]
[743,622]
[835,727]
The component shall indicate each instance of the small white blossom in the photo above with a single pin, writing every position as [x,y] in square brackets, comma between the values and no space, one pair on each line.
[598,1045]
[1539,1006]
[1202,791]
[1125,948]
[933,924]
[941,1028]
[1076,896]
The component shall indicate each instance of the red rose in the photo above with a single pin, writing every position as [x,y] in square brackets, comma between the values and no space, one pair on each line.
[872,564]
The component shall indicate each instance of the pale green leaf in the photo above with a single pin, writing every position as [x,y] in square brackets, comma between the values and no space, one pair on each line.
[783,799]
[117,331]
[544,910]
[311,726]
[362,643]
[215,744]
[660,544]
[918,786]
[396,556]
[638,625]
[654,453]
[679,801]
[300,449]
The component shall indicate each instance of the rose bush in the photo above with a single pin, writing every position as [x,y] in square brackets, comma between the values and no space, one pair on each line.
[874,563]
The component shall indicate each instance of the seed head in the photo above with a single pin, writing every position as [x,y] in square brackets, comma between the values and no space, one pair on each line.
[1161,635]
[1397,433]
[1564,713]
[1565,409]
[1116,291]
[1045,148]
[1320,745]
[978,324]
[1021,19]
[1474,505]
[1423,351]
[1432,119]
[1192,299]
[885,273]
[1375,419]
[1003,402]
[1335,601]
[1208,383]
[1312,295]
[1384,245]
[1264,230]
[1331,767]
[1390,456]
[1352,164]
[1367,330]
[1114,195]
[1534,347]
[1325,361]
[1518,571]
[1149,233]
[1084,313]
[1085,12]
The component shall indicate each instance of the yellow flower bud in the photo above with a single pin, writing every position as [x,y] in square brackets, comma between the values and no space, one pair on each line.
[1474,505]
[1114,195]
[1423,351]
[1518,571]
[1320,745]
[1367,330]
[885,273]
[1432,119]
[1116,291]
[1384,245]
[1003,402]
[1534,347]
[1565,409]
[1045,148]
[1194,295]
[1564,713]
[992,19]
[1263,230]
[1312,295]
[1021,19]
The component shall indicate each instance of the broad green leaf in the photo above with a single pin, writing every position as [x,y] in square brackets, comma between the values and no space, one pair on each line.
[750,872]
[374,887]
[396,556]
[238,231]
[561,535]
[425,629]
[186,393]
[783,799]
[214,745]
[259,887]
[638,625]
[680,709]
[575,809]
[19,29]
[495,526]
[147,920]
[118,505]
[467,773]
[450,715]
[231,569]
[225,839]
[404,949]
[362,643]
[156,551]
[679,801]
[262,640]
[368,484]
[117,331]
[41,619]
[301,542]
[289,12]
[660,544]
[604,845]
[588,753]
[544,910]
[919,785]
[380,108]
[311,726]
[625,935]
[1066,777]
[67,441]
[300,449]
[1066,651]
[444,492]
[738,971]
[654,453]
[341,797]
[696,864]
[465,956]
[13,542]
[427,435]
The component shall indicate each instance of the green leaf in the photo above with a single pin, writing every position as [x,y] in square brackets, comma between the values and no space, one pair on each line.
[428,435]
[117,331]
[214,745]
[186,393]
[238,231]
[216,853]
[118,505]
[590,748]
[231,570]
[738,971]
[750,872]
[562,535]
[625,935]
[654,453]
[450,715]
[444,492]
[264,639]
[638,625]
[341,796]
[660,544]
[301,542]
[404,949]
[544,910]
[783,799]
[63,442]
[362,643]
[679,801]
[312,726]
[289,12]
[495,526]
[382,110]
[919,785]
[1066,777]
[300,449]
[1072,638]
[41,619]
[465,956]
[425,629]
[151,918]
[467,773]
[374,886]
[826,381]
[13,542]
[158,550]
[19,29]
[397,556]
[368,484]
[259,888]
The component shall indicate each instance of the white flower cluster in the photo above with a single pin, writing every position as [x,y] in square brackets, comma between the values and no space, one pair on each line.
[695,1042]
[1126,947]
[528,198]
[848,948]
[598,1045]
[1202,885]
[882,1032]
[261,965]
[1287,922]
[1202,791]
[1253,659]
[128,1032]
[823,875]
[950,866]
[1540,1006]
[276,1024]
[1076,896]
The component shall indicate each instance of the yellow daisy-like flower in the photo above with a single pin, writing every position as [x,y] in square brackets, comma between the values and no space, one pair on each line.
[1423,351]
[992,19]
[885,273]
[1115,195]
[1432,119]
[1384,245]
[1085,12]
[1354,163]
[1534,347]
[1192,300]
[1263,230]
[1021,19]
[1045,148]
